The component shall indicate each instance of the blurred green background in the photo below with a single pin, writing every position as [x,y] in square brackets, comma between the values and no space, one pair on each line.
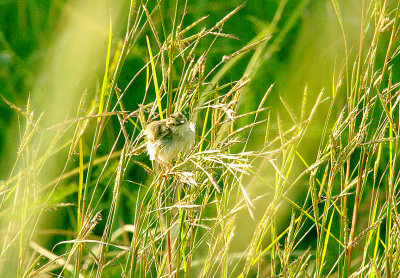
[52,51]
[38,36]
[38,44]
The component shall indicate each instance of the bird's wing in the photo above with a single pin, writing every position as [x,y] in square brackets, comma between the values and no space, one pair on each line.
[158,130]
[164,132]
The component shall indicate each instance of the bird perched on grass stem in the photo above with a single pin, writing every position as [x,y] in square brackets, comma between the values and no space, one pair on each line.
[169,137]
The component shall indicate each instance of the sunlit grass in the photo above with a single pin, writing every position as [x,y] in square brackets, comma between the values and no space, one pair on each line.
[299,185]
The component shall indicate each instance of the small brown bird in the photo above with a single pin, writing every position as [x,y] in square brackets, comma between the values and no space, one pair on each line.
[169,137]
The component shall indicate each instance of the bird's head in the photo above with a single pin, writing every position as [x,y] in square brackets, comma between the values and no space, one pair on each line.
[176,119]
